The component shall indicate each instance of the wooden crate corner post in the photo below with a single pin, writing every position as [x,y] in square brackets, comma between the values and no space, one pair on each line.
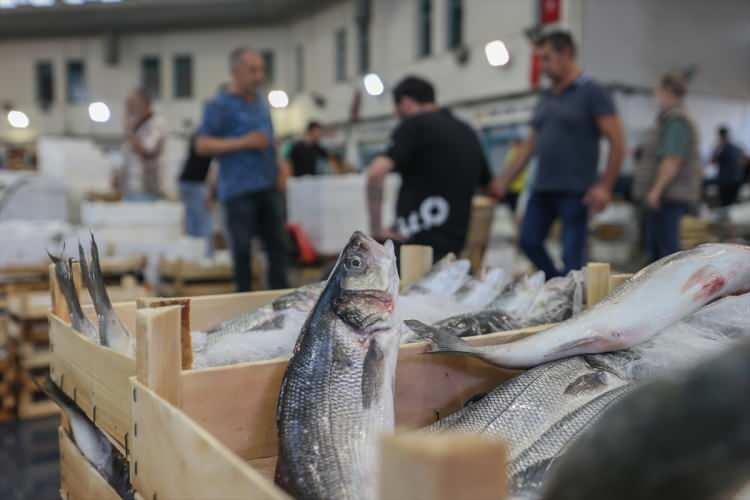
[416,260]
[159,351]
[618,279]
[597,282]
[416,466]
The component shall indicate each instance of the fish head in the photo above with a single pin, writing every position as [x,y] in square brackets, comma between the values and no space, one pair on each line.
[367,282]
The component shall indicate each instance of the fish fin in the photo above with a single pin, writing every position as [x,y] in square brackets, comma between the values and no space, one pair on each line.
[96,277]
[573,347]
[372,377]
[586,383]
[441,339]
[64,275]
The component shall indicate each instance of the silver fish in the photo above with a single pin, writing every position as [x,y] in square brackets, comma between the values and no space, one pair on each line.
[78,319]
[112,332]
[92,442]
[445,278]
[517,297]
[481,323]
[337,394]
[683,436]
[658,296]
[559,299]
[479,293]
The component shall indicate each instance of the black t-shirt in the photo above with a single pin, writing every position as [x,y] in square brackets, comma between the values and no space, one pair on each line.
[304,157]
[442,164]
[196,167]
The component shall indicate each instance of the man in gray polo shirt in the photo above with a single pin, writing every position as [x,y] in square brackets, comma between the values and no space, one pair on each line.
[568,122]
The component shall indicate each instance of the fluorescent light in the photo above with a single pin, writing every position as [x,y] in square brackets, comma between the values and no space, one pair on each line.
[373,84]
[18,119]
[278,99]
[7,4]
[497,53]
[99,112]
[42,3]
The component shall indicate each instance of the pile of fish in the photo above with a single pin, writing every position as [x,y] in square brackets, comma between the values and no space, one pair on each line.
[110,332]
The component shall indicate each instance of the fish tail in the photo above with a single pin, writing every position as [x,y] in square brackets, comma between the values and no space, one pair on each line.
[441,339]
[58,396]
[67,287]
[96,279]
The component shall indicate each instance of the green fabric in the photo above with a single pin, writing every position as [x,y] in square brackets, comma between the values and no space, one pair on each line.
[286,149]
[675,138]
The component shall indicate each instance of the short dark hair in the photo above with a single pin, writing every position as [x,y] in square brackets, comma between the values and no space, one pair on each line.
[724,132]
[415,88]
[236,55]
[675,83]
[560,40]
[313,124]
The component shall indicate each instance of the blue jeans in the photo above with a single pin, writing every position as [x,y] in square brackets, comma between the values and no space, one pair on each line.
[662,229]
[541,211]
[198,221]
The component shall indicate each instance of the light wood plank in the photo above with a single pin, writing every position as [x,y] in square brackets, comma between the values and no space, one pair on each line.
[159,351]
[175,458]
[597,282]
[78,478]
[616,280]
[442,467]
[416,260]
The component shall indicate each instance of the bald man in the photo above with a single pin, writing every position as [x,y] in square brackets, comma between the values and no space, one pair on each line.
[237,131]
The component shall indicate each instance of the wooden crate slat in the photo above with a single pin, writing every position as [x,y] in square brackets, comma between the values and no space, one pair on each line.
[79,480]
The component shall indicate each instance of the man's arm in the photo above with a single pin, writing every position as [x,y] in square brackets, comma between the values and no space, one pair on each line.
[668,169]
[501,182]
[600,194]
[217,146]
[380,167]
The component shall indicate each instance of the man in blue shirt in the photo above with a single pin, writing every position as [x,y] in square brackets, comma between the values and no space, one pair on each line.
[237,130]
[568,122]
[728,158]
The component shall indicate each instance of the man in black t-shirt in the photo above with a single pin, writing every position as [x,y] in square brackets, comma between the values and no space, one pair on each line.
[441,163]
[305,154]
[194,195]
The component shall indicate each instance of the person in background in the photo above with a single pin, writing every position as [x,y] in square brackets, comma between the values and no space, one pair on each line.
[238,132]
[729,159]
[668,177]
[306,153]
[194,195]
[441,163]
[516,187]
[145,134]
[567,124]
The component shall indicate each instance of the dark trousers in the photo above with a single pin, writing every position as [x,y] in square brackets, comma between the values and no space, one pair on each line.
[541,211]
[662,229]
[257,214]
[728,194]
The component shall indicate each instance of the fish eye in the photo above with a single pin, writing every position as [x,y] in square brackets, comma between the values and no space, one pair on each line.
[354,263]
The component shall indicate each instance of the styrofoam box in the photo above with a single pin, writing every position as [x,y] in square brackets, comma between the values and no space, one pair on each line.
[129,214]
[330,208]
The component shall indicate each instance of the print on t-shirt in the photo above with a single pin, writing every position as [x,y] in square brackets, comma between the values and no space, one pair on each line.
[433,212]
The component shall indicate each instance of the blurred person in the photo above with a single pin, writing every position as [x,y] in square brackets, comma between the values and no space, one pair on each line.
[567,124]
[195,195]
[306,153]
[145,134]
[516,187]
[238,132]
[441,163]
[729,159]
[668,177]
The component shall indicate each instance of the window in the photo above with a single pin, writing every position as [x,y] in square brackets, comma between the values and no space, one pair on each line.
[363,47]
[340,55]
[455,23]
[182,77]
[75,72]
[151,75]
[45,84]
[299,64]
[424,28]
[270,64]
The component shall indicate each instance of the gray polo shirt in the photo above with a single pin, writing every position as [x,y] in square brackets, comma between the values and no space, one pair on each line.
[567,136]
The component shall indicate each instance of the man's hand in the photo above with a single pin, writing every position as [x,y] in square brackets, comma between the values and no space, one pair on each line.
[256,140]
[597,198]
[653,199]
[498,188]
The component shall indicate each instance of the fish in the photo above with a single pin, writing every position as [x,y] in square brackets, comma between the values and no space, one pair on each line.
[78,320]
[684,435]
[479,293]
[480,323]
[337,395]
[656,297]
[559,299]
[518,296]
[92,442]
[112,332]
[446,277]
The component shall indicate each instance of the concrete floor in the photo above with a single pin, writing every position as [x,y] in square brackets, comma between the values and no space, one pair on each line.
[29,460]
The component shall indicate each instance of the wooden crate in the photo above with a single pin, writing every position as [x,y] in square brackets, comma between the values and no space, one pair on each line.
[197,415]
[182,278]
[78,479]
[32,402]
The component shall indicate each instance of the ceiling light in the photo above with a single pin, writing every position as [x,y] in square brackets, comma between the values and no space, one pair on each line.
[373,84]
[497,53]
[18,119]
[99,112]
[278,99]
